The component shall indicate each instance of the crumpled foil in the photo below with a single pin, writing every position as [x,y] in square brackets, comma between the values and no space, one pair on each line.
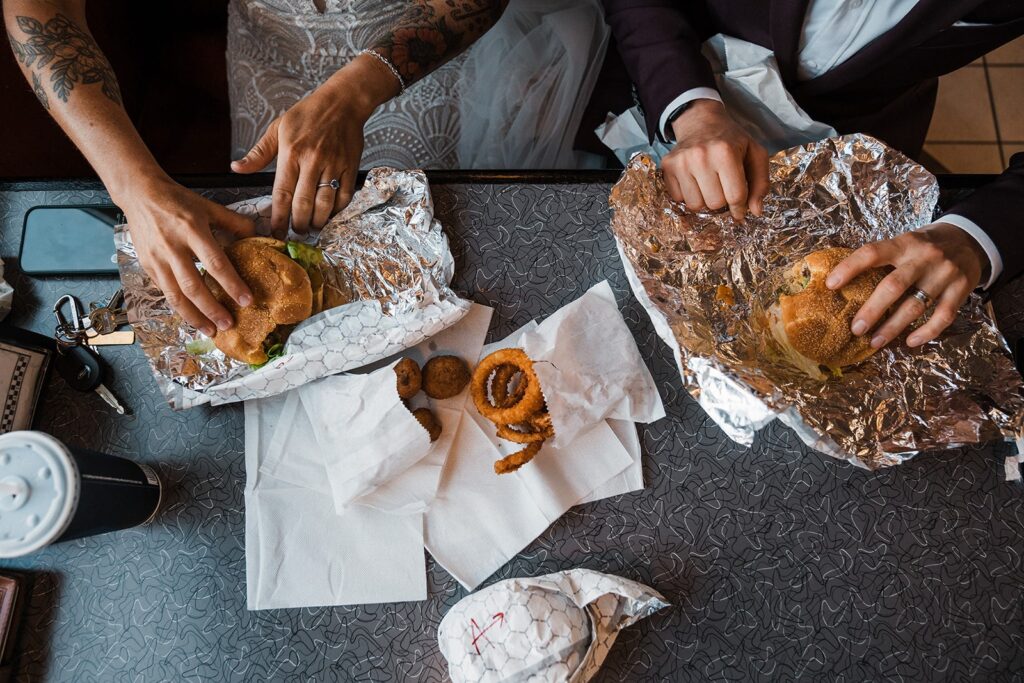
[386,256]
[707,281]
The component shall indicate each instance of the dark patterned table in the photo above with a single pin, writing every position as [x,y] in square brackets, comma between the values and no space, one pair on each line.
[780,562]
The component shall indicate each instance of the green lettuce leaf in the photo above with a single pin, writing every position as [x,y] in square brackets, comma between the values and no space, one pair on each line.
[199,347]
[305,255]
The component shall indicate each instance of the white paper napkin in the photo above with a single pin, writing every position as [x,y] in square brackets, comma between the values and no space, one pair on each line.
[298,551]
[364,433]
[361,438]
[480,520]
[590,367]
[630,479]
[413,489]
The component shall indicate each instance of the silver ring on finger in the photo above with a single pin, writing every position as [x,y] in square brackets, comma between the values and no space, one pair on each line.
[333,183]
[922,296]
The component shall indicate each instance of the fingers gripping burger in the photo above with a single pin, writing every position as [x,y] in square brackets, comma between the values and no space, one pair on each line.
[287,287]
[811,322]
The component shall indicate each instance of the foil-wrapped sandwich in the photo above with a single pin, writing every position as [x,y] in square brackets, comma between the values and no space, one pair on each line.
[758,336]
[372,283]
[556,628]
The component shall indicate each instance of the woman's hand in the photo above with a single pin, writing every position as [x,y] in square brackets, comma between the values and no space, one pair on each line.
[941,260]
[318,140]
[715,163]
[170,227]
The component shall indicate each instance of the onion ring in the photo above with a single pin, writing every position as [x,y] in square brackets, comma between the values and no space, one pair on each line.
[542,422]
[516,436]
[532,399]
[502,397]
[511,463]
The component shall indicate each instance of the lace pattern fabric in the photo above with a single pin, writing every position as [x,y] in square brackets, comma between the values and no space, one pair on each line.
[280,50]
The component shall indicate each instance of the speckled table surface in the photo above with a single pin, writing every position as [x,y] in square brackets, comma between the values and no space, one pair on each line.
[780,562]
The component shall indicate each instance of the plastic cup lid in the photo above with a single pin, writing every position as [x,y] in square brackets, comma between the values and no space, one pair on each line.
[38,491]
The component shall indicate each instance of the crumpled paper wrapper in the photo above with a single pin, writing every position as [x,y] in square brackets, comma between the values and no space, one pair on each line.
[386,255]
[706,282]
[553,629]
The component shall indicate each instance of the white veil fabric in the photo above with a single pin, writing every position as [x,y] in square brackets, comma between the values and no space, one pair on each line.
[525,84]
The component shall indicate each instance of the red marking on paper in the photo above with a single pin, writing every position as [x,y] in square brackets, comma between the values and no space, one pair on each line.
[478,633]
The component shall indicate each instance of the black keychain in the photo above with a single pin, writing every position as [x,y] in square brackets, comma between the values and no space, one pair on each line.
[83,370]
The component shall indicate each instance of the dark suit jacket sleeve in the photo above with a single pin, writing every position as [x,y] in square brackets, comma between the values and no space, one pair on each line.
[998,209]
[661,51]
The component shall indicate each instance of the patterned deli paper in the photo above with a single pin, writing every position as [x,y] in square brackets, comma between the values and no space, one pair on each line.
[386,255]
[556,628]
[960,389]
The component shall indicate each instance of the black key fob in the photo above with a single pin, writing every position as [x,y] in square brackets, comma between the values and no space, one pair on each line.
[80,368]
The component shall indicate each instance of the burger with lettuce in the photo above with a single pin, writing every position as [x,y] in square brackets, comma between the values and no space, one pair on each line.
[287,287]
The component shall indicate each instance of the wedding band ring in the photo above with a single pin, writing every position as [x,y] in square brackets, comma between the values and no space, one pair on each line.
[922,296]
[333,183]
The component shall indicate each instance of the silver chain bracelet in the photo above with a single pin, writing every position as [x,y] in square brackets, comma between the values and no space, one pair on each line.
[391,67]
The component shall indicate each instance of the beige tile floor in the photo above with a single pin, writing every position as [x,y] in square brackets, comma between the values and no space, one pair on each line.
[979,118]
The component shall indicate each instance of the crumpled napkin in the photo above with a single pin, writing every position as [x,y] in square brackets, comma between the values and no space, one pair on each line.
[549,629]
[589,366]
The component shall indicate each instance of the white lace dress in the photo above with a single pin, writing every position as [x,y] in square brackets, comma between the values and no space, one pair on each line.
[514,100]
[280,50]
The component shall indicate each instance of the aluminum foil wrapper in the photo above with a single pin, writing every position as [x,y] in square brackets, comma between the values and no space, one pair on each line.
[387,262]
[707,282]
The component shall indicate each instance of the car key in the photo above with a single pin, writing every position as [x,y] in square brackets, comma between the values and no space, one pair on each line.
[82,369]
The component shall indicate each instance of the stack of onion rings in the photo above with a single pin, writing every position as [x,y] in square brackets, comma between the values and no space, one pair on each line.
[507,392]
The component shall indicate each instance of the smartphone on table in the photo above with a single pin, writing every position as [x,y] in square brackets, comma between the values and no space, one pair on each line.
[70,240]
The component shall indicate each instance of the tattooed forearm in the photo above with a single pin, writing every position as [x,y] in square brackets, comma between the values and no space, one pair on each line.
[431,32]
[37,88]
[71,54]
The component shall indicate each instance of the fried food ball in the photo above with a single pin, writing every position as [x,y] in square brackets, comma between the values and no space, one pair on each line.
[410,379]
[429,422]
[445,376]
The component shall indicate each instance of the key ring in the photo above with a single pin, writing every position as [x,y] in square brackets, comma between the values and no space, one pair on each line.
[71,333]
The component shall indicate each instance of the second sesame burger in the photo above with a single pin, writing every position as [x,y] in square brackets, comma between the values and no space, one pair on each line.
[811,322]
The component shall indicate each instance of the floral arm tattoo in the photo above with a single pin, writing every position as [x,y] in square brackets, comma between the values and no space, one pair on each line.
[71,54]
[431,32]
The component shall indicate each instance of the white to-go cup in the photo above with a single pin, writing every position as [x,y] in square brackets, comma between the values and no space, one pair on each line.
[51,493]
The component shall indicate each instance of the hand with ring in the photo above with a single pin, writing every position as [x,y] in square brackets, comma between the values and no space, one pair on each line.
[940,264]
[318,144]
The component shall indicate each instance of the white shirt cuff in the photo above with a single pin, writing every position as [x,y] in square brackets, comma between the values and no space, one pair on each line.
[687,97]
[995,261]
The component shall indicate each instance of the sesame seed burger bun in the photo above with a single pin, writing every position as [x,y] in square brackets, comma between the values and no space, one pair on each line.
[812,322]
